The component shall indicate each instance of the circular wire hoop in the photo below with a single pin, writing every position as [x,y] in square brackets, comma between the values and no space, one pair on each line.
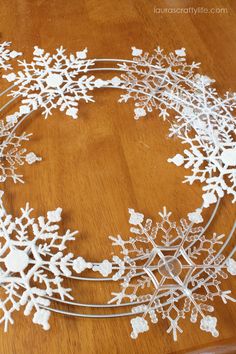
[158,81]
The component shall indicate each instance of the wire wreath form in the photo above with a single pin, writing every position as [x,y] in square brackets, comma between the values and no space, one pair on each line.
[170,81]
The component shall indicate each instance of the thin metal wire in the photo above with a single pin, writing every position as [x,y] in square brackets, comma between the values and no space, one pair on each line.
[7,89]
[79,304]
[8,103]
[76,314]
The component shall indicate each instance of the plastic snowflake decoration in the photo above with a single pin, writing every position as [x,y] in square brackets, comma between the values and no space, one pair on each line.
[12,154]
[33,263]
[170,270]
[168,83]
[149,76]
[51,81]
[6,55]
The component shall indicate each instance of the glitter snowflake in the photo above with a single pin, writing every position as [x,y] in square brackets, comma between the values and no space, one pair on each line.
[12,154]
[203,119]
[6,55]
[148,78]
[33,264]
[171,270]
[52,81]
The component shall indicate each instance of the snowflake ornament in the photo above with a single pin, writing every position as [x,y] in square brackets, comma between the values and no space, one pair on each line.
[170,270]
[33,263]
[52,81]
[148,77]
[169,84]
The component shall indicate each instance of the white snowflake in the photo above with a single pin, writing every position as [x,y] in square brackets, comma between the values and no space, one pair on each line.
[6,55]
[12,154]
[148,78]
[170,270]
[52,81]
[33,263]
[169,84]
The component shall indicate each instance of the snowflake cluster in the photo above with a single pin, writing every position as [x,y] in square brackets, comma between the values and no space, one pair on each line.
[52,81]
[170,269]
[33,263]
[203,119]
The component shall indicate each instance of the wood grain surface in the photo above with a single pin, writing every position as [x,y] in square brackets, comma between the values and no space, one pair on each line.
[98,166]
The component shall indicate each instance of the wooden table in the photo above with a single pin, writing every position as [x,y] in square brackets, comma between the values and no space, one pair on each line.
[105,162]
